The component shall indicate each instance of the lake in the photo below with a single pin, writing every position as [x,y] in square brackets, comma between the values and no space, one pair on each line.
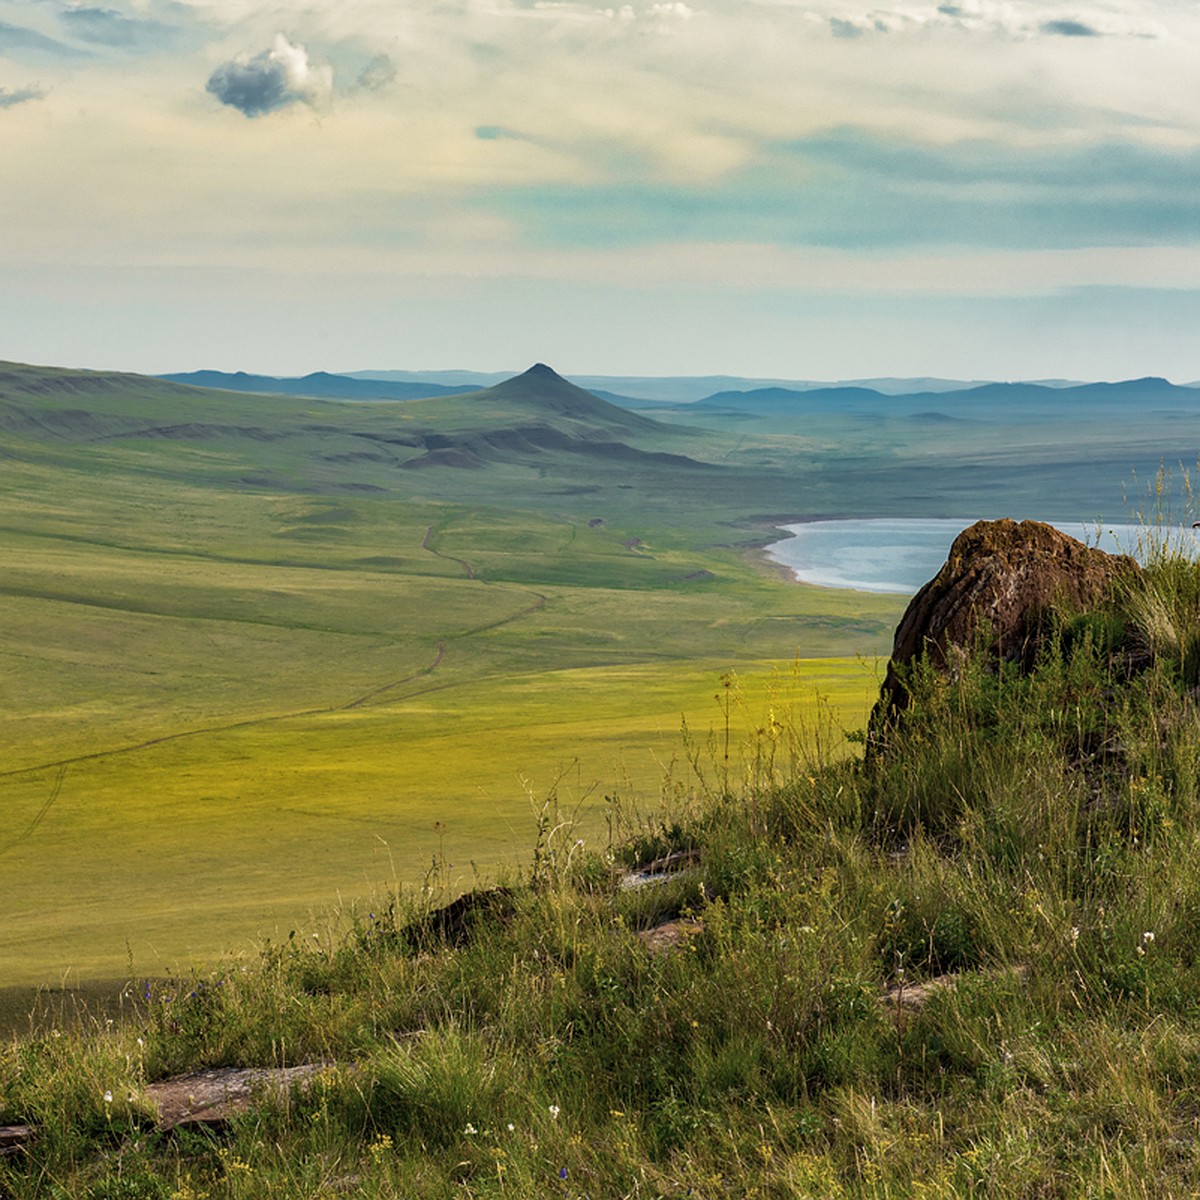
[899,554]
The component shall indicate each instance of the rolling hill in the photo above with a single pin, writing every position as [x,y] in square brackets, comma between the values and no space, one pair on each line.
[260,650]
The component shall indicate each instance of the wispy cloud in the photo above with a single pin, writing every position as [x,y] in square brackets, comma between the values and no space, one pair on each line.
[376,75]
[10,98]
[853,190]
[21,42]
[108,27]
[1007,18]
[1066,27]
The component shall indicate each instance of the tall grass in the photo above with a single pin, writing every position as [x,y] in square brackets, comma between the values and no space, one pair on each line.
[968,968]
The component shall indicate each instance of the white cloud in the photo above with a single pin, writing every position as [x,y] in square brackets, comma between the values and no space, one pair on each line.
[271,80]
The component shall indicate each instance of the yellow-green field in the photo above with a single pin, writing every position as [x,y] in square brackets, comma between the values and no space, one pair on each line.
[172,853]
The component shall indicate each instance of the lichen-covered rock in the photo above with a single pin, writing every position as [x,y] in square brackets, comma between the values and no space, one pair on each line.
[997,585]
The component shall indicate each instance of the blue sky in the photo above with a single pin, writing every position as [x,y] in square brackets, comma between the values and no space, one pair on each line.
[797,189]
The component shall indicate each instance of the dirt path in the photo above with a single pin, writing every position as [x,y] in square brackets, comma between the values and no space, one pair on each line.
[387,687]
[63,763]
[462,562]
[40,815]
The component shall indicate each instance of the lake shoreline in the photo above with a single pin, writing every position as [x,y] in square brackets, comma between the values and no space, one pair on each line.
[896,555]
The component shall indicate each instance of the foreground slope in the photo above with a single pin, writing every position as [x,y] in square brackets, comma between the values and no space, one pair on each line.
[967,969]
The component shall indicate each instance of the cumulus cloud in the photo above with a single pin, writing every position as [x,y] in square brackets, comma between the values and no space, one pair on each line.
[271,80]
[676,11]
[10,99]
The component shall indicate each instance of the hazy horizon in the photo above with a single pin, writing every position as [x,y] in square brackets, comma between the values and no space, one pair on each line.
[991,189]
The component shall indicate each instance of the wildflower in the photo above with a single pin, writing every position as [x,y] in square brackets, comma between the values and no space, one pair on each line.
[1148,936]
[1074,934]
[562,1172]
[554,1111]
[511,1127]
[470,1129]
[108,1097]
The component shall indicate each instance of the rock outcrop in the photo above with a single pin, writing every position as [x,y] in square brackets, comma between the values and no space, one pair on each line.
[997,586]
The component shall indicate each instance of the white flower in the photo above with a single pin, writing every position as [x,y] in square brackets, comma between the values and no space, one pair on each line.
[108,1097]
[470,1128]
[1148,936]
[554,1111]
[511,1127]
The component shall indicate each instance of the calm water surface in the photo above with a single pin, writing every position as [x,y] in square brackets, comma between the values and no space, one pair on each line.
[895,554]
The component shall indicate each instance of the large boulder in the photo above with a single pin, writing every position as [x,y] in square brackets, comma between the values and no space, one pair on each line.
[993,594]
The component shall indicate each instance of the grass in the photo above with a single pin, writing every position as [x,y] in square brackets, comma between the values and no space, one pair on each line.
[172,853]
[245,619]
[264,700]
[263,679]
[1022,856]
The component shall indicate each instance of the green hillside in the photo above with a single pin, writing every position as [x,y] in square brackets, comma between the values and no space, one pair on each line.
[332,640]
[252,659]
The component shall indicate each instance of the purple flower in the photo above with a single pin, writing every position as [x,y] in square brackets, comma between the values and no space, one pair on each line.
[562,1172]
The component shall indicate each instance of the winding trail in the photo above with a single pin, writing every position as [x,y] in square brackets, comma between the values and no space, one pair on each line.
[62,765]
[539,603]
[462,562]
[39,816]
[387,687]
[247,723]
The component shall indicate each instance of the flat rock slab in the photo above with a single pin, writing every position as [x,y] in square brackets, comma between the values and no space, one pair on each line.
[662,870]
[14,1138]
[906,1000]
[671,935]
[913,997]
[213,1097]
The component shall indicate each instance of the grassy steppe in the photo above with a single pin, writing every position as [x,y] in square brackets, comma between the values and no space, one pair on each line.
[281,630]
[173,852]
[237,685]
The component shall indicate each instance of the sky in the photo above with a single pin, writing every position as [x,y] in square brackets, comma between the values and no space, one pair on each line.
[1001,189]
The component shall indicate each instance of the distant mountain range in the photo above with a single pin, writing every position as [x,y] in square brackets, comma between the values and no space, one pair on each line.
[539,439]
[672,389]
[990,400]
[321,384]
[921,396]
